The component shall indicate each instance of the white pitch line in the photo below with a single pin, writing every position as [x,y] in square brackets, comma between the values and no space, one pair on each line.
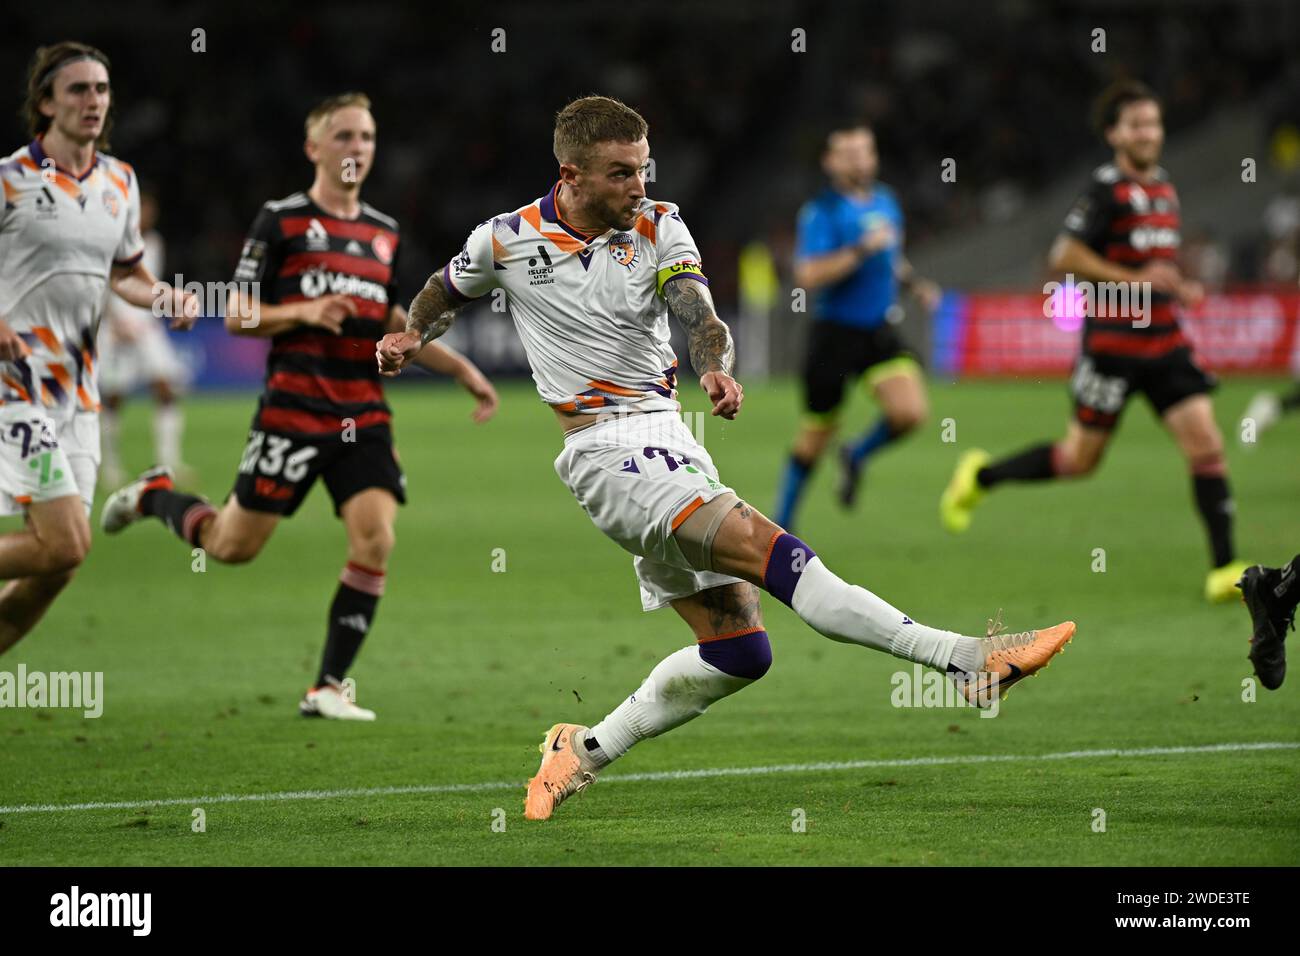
[828,766]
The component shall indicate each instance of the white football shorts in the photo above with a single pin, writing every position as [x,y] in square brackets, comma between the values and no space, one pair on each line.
[42,458]
[638,477]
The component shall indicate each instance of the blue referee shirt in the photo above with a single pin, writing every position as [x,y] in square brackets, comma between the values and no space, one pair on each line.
[831,221]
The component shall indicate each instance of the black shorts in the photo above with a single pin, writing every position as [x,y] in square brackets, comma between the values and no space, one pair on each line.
[278,470]
[838,353]
[1101,384]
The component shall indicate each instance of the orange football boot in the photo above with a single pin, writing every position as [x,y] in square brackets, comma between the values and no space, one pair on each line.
[1010,659]
[560,776]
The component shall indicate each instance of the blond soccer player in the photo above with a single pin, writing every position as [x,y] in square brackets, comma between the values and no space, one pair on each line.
[591,271]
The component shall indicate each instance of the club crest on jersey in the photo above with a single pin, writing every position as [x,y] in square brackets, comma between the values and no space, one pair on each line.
[623,248]
[111,203]
[382,247]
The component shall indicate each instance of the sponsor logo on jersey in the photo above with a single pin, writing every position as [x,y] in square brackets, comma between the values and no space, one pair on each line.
[623,248]
[353,248]
[318,282]
[382,247]
[318,240]
[1153,237]
[46,207]
[543,274]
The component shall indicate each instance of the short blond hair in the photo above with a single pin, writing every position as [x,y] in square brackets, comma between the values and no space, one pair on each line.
[591,120]
[322,112]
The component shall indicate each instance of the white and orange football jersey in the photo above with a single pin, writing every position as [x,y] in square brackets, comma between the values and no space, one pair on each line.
[60,235]
[589,309]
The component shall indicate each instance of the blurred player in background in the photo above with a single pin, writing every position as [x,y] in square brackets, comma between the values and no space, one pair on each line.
[849,257]
[1267,408]
[1125,228]
[69,231]
[134,350]
[591,271]
[1271,596]
[322,266]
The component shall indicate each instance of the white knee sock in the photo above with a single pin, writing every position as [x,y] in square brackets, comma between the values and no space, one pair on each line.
[853,615]
[680,688]
[168,423]
[110,429]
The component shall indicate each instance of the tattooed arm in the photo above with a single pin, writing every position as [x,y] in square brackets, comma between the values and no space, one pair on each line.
[713,354]
[431,314]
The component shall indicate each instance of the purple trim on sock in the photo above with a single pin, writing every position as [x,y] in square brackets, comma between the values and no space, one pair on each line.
[746,655]
[784,566]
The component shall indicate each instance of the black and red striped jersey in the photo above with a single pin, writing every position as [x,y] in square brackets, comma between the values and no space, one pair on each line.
[317,381]
[1130,223]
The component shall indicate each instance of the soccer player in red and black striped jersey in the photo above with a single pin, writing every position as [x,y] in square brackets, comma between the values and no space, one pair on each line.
[1125,229]
[322,265]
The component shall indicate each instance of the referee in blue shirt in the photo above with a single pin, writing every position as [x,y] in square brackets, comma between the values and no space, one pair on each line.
[849,259]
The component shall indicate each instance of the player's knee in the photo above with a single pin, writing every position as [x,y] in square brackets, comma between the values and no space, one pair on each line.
[759,533]
[65,554]
[232,550]
[372,545]
[748,656]
[1205,446]
[908,417]
[810,444]
[1074,461]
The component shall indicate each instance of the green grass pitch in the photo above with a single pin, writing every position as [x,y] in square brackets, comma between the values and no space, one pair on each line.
[467,667]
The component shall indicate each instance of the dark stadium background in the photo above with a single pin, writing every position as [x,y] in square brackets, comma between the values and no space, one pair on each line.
[736,122]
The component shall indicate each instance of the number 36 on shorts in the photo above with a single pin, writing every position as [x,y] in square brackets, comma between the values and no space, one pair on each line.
[273,455]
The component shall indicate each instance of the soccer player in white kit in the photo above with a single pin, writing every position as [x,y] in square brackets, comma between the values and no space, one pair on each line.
[69,231]
[591,271]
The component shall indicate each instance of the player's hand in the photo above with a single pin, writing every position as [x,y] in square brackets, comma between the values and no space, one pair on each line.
[186,309]
[476,383]
[328,312]
[724,392]
[928,293]
[12,348]
[395,350]
[1163,276]
[1190,293]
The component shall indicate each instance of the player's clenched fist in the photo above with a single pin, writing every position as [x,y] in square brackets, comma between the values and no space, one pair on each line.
[724,392]
[395,350]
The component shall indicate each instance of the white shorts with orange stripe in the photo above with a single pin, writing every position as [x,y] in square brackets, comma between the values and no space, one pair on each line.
[638,477]
[42,458]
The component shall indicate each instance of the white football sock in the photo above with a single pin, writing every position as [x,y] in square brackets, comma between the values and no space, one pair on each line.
[110,430]
[680,688]
[168,424]
[853,615]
